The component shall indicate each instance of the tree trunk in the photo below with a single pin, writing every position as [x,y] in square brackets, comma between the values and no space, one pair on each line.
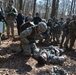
[74,7]
[34,8]
[46,13]
[24,3]
[53,12]
[20,4]
[57,5]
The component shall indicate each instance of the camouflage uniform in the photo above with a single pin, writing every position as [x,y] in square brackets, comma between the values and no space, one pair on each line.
[58,71]
[56,32]
[46,36]
[72,34]
[26,41]
[29,35]
[49,23]
[53,55]
[65,30]
[11,14]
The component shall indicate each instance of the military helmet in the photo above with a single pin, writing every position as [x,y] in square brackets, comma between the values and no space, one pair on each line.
[11,0]
[42,26]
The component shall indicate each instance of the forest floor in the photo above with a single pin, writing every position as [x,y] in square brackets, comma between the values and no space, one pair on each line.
[16,64]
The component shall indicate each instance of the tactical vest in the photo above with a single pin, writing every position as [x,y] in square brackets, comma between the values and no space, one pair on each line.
[31,37]
[24,26]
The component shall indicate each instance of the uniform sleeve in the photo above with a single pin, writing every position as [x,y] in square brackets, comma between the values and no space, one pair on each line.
[26,32]
[16,12]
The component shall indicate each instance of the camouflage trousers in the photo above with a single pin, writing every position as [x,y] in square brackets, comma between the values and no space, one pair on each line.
[28,48]
[56,36]
[64,35]
[10,26]
[71,38]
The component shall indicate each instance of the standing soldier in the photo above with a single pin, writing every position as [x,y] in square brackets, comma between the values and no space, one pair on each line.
[49,23]
[56,31]
[65,30]
[11,14]
[72,30]
[72,34]
[61,21]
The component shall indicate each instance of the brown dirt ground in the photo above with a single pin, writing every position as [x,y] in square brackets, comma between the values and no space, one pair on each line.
[16,64]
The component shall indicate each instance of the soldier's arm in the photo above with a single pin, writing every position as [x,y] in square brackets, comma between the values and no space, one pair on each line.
[26,32]
[15,11]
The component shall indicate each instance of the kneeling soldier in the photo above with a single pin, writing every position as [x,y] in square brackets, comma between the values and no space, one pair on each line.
[29,35]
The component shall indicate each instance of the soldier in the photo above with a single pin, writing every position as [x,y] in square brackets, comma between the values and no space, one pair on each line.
[50,24]
[72,34]
[27,24]
[29,35]
[58,71]
[10,13]
[65,30]
[1,20]
[61,21]
[56,31]
[49,55]
[46,35]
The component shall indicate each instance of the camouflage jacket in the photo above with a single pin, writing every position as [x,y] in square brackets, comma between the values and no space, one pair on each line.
[54,54]
[65,27]
[72,28]
[10,12]
[56,27]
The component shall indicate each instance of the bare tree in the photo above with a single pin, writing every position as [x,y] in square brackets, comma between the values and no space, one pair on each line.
[34,8]
[20,4]
[55,5]
[46,13]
